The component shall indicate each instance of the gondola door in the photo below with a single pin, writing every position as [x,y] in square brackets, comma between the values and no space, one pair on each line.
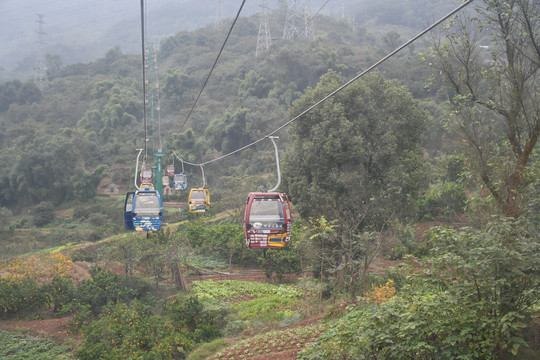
[128,211]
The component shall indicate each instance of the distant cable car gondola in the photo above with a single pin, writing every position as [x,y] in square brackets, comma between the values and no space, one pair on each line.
[267,220]
[146,176]
[199,200]
[143,210]
[180,182]
[170,170]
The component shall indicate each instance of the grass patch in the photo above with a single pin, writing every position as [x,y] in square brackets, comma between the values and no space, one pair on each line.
[207,349]
[267,309]
[234,291]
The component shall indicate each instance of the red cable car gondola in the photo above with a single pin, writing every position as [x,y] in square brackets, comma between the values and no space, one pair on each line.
[267,220]
[170,170]
[146,176]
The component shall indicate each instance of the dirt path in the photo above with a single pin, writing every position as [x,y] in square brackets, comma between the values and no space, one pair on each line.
[52,328]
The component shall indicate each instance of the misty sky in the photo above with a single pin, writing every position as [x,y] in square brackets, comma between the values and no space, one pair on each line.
[89,28]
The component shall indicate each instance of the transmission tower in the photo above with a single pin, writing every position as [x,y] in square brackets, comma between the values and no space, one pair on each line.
[220,21]
[40,76]
[299,21]
[264,39]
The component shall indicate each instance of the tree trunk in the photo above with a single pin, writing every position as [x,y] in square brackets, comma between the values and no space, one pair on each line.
[178,275]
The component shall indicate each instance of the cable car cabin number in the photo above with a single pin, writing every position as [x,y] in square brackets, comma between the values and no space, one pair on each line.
[267,220]
[143,210]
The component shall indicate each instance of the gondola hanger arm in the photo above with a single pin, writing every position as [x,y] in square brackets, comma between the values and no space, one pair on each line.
[137,169]
[277,161]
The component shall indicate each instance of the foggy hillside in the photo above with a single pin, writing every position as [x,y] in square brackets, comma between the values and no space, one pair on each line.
[85,30]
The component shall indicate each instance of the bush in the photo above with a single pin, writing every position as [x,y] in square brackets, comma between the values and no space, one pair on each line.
[279,262]
[455,166]
[43,214]
[60,292]
[447,199]
[476,294]
[19,296]
[130,331]
[191,315]
[105,288]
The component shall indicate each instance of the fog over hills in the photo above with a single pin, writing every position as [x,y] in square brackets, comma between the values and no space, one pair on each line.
[84,30]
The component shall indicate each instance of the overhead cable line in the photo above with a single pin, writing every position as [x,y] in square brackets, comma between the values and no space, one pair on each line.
[338,89]
[213,66]
[143,80]
[318,11]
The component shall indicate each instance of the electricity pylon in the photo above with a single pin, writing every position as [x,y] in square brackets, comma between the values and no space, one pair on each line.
[299,22]
[40,77]
[264,39]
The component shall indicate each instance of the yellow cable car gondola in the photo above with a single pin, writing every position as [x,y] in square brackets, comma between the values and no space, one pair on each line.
[199,200]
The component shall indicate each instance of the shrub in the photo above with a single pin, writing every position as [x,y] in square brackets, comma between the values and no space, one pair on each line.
[19,296]
[43,214]
[280,262]
[130,331]
[60,292]
[190,314]
[446,199]
[476,294]
[104,288]
[381,293]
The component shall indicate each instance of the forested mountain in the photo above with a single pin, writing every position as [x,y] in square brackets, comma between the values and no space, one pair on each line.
[414,189]
[98,104]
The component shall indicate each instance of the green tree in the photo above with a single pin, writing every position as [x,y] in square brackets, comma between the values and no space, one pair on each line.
[254,85]
[85,185]
[357,153]
[356,160]
[491,62]
[229,133]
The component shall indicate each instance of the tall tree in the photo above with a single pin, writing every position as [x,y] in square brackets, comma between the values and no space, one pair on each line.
[491,61]
[356,161]
[358,152]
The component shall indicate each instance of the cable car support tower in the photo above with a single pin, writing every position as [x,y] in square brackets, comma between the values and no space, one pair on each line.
[151,84]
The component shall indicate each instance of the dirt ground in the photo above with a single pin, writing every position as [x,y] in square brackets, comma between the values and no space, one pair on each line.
[56,329]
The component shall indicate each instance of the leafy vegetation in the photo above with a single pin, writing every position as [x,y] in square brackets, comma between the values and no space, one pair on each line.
[471,298]
[19,346]
[271,342]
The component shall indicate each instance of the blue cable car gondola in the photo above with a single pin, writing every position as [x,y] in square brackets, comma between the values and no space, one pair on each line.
[143,209]
[267,220]
[180,181]
[199,200]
